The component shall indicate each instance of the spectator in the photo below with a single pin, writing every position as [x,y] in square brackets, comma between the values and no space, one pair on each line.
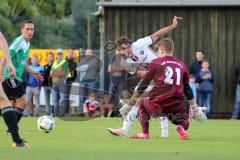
[89,68]
[193,85]
[106,105]
[91,107]
[205,78]
[117,75]
[47,83]
[237,99]
[59,72]
[33,87]
[72,65]
[196,65]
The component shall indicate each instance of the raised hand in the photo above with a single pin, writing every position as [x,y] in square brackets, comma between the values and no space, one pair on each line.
[175,21]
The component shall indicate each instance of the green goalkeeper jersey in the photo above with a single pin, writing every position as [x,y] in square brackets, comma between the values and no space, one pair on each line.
[19,51]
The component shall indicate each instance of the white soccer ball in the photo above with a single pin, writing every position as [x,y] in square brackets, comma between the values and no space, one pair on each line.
[46,123]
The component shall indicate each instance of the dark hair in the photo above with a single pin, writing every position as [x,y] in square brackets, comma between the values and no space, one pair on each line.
[25,22]
[205,60]
[167,44]
[106,94]
[191,76]
[123,39]
[92,92]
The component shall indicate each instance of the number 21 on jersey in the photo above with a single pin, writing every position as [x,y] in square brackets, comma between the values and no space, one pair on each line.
[169,75]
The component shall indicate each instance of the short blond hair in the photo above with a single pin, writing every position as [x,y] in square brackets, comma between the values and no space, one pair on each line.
[167,44]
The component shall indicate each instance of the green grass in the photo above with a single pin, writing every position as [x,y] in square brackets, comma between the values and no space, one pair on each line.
[85,140]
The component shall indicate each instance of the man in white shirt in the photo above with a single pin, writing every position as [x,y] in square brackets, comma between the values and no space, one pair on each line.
[135,56]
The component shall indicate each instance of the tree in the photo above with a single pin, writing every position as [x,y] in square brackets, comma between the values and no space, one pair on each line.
[58,23]
[82,14]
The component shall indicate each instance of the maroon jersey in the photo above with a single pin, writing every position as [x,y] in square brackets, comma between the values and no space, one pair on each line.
[169,75]
[91,106]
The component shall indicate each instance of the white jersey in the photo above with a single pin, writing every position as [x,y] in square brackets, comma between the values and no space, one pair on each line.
[142,55]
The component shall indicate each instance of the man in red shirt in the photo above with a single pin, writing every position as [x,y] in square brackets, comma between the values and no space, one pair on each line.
[166,98]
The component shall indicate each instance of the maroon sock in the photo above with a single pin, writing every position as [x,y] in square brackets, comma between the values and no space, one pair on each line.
[144,119]
[185,125]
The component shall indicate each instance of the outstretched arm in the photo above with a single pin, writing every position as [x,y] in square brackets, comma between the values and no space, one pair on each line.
[197,111]
[36,75]
[165,30]
[140,89]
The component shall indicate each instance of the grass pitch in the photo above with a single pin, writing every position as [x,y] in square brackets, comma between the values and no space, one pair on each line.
[89,140]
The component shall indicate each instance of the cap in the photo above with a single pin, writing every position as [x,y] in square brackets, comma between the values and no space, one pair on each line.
[59,51]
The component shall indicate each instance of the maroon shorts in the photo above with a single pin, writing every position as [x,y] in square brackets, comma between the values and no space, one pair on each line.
[175,113]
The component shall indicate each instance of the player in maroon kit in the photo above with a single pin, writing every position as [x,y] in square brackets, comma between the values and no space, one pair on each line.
[166,98]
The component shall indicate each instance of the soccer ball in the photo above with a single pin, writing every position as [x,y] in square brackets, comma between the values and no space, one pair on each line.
[46,123]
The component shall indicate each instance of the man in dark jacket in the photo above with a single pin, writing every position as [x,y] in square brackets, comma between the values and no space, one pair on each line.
[89,69]
[47,83]
[196,65]
[72,65]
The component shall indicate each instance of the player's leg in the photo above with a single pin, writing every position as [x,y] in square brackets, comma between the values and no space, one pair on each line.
[129,119]
[21,105]
[164,126]
[163,120]
[127,123]
[179,117]
[14,105]
[13,90]
[145,110]
[20,100]
[9,116]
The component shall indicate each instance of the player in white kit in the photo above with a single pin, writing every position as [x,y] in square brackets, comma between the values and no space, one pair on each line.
[135,56]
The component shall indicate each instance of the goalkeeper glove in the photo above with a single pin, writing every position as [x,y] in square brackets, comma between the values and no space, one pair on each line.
[202,108]
[125,109]
[198,114]
[127,106]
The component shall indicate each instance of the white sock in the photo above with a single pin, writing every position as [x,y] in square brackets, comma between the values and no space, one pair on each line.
[128,120]
[164,125]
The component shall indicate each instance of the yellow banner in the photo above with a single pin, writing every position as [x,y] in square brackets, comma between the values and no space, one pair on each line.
[42,54]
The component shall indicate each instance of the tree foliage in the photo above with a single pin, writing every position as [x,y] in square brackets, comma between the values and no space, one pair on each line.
[58,23]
